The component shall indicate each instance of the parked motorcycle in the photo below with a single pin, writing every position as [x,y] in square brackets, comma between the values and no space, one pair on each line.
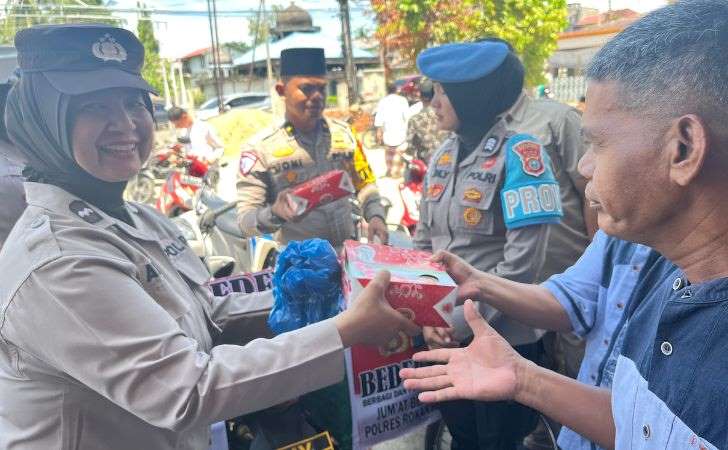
[410,192]
[144,186]
[211,229]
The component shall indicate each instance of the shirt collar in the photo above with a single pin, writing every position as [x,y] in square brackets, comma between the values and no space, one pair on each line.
[518,110]
[59,201]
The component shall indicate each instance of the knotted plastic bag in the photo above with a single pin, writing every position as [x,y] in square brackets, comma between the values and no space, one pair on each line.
[306,286]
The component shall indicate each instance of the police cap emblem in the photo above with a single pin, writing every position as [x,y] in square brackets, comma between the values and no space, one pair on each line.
[107,49]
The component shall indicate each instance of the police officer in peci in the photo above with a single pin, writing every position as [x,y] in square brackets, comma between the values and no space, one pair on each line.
[494,193]
[304,146]
[108,333]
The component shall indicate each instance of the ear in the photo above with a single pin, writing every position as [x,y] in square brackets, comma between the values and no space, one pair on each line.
[688,145]
[281,89]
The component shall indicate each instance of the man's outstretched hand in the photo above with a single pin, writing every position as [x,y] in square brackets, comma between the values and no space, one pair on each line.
[488,369]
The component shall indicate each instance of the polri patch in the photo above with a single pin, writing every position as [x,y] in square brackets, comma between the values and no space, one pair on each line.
[84,211]
[531,158]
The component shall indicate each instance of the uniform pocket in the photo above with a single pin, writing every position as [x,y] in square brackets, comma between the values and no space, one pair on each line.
[474,217]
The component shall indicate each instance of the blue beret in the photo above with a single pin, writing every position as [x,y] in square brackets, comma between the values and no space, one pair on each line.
[462,62]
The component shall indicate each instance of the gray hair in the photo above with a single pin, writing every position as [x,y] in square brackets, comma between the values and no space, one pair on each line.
[671,62]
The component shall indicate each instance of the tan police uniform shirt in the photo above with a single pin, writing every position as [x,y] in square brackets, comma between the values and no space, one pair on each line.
[107,336]
[284,158]
[13,195]
[462,211]
[558,126]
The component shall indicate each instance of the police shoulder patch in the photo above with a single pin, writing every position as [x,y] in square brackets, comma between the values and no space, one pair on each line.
[530,193]
[247,162]
[530,152]
[84,211]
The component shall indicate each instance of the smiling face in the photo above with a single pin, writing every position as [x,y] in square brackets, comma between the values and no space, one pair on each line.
[305,99]
[112,133]
[447,118]
[628,167]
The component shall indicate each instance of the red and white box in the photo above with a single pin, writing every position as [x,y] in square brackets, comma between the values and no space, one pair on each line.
[419,288]
[320,190]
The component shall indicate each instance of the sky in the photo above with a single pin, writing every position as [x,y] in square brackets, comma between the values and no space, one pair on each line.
[180,34]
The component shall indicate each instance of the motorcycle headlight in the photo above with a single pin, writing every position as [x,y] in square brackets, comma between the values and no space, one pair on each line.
[185,228]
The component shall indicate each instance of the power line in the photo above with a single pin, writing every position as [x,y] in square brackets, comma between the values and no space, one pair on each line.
[171,12]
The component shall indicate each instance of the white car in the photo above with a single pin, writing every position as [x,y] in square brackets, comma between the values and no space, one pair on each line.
[250,100]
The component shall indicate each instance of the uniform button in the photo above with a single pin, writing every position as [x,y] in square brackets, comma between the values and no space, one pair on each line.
[646,431]
[620,305]
[677,284]
[666,348]
[38,222]
[606,341]
[636,268]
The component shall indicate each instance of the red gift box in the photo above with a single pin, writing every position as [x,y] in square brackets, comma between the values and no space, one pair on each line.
[419,288]
[320,190]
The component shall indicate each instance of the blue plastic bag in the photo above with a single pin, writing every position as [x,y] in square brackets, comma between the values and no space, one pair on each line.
[306,286]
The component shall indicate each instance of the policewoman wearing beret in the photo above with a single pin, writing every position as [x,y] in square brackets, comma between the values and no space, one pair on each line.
[303,146]
[107,331]
[491,196]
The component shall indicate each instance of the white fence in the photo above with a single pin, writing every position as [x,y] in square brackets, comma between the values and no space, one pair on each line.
[568,89]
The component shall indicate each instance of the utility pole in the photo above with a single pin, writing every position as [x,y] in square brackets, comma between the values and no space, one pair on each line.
[268,65]
[349,69]
[213,46]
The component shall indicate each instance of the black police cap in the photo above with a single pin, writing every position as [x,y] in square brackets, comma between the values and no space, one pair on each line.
[303,62]
[81,58]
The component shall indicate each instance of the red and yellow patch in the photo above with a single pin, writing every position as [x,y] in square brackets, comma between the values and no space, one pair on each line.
[472,216]
[472,195]
[435,190]
[489,163]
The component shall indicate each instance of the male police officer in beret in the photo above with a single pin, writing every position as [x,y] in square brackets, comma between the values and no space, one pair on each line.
[494,192]
[304,146]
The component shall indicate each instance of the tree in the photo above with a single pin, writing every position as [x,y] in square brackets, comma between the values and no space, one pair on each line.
[152,62]
[20,14]
[531,26]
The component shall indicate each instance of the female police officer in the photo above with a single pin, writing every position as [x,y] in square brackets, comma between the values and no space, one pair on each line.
[107,332]
[490,194]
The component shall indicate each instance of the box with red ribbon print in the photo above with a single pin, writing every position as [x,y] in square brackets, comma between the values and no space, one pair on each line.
[320,190]
[419,288]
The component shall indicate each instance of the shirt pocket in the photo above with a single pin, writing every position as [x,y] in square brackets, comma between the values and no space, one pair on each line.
[474,214]
[653,420]
[195,274]
[432,195]
[160,288]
